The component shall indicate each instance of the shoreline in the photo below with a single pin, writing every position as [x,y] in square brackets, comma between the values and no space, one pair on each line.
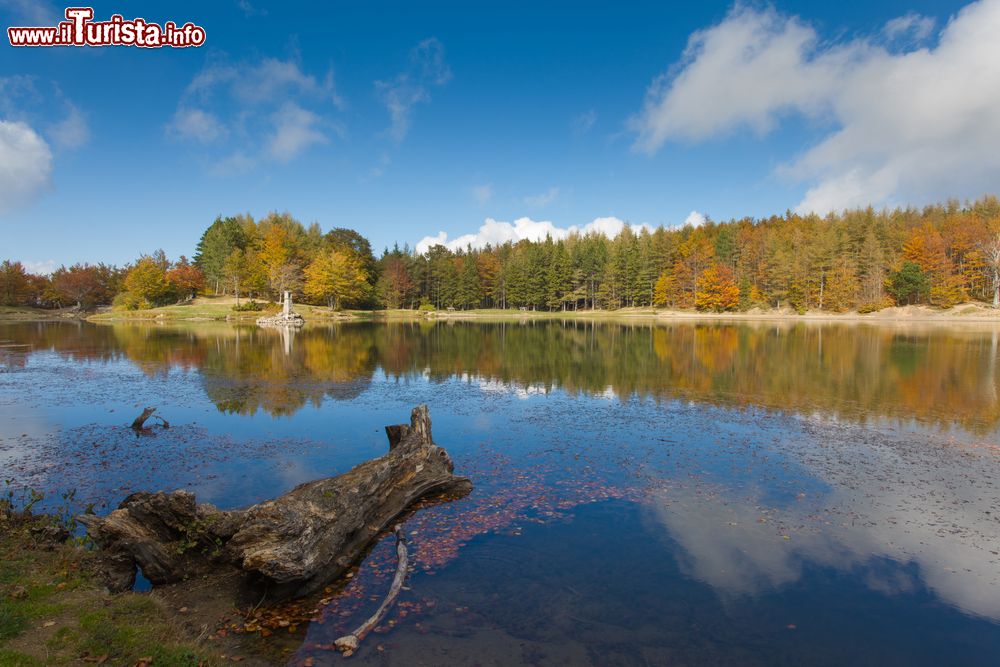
[213,310]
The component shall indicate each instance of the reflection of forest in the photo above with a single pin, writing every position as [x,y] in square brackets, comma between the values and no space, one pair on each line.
[931,375]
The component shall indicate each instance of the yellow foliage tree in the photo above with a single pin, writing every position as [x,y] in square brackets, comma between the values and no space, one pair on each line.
[145,285]
[336,277]
[842,286]
[717,290]
[663,290]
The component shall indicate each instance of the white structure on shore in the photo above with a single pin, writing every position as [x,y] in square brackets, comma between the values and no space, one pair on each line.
[286,318]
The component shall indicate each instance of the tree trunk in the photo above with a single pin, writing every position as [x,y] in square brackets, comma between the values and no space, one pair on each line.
[996,288]
[295,543]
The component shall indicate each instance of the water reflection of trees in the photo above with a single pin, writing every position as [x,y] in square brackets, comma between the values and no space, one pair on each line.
[854,372]
[931,375]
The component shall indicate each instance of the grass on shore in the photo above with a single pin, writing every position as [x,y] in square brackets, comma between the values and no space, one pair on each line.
[216,308]
[53,611]
[29,313]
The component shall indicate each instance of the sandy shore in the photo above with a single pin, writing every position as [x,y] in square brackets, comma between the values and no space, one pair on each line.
[207,309]
[965,313]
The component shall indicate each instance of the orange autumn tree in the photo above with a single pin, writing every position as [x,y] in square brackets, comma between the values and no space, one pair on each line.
[717,290]
[186,278]
[926,248]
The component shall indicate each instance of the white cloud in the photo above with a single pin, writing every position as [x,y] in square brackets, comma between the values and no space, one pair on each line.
[231,106]
[483,193]
[264,81]
[295,131]
[913,126]
[196,124]
[41,268]
[36,103]
[542,199]
[427,67]
[496,232]
[25,164]
[26,153]
[911,25]
[695,219]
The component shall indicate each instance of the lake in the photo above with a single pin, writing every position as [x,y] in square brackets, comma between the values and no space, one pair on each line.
[645,493]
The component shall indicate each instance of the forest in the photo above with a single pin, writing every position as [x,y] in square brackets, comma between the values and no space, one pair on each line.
[863,260]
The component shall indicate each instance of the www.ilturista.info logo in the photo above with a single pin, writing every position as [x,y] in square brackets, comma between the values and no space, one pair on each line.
[81,30]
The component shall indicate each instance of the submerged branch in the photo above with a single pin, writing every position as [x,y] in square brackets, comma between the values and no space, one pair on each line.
[349,643]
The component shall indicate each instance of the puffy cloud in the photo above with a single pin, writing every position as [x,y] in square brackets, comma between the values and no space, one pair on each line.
[42,268]
[427,68]
[295,131]
[25,164]
[495,232]
[38,103]
[542,199]
[910,126]
[26,153]
[695,219]
[483,193]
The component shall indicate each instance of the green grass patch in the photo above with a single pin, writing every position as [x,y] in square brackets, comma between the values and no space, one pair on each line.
[53,612]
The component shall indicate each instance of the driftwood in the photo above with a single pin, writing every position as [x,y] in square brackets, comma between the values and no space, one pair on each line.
[139,422]
[349,643]
[295,543]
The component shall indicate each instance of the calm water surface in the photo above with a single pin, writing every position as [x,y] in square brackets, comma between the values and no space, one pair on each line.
[754,493]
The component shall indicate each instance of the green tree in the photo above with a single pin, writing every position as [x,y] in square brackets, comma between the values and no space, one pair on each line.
[217,244]
[910,284]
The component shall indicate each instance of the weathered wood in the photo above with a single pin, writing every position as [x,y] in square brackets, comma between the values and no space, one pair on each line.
[297,542]
[139,422]
[349,643]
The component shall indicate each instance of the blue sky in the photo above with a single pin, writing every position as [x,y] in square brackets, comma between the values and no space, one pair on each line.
[404,120]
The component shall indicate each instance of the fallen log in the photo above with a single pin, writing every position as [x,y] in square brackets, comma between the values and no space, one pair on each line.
[348,644]
[293,544]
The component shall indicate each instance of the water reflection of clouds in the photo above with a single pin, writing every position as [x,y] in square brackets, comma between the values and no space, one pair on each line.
[899,497]
[516,389]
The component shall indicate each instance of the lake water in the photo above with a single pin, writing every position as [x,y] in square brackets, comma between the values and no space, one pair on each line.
[645,494]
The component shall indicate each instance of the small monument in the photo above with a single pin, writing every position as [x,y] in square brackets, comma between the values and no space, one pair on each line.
[286,318]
